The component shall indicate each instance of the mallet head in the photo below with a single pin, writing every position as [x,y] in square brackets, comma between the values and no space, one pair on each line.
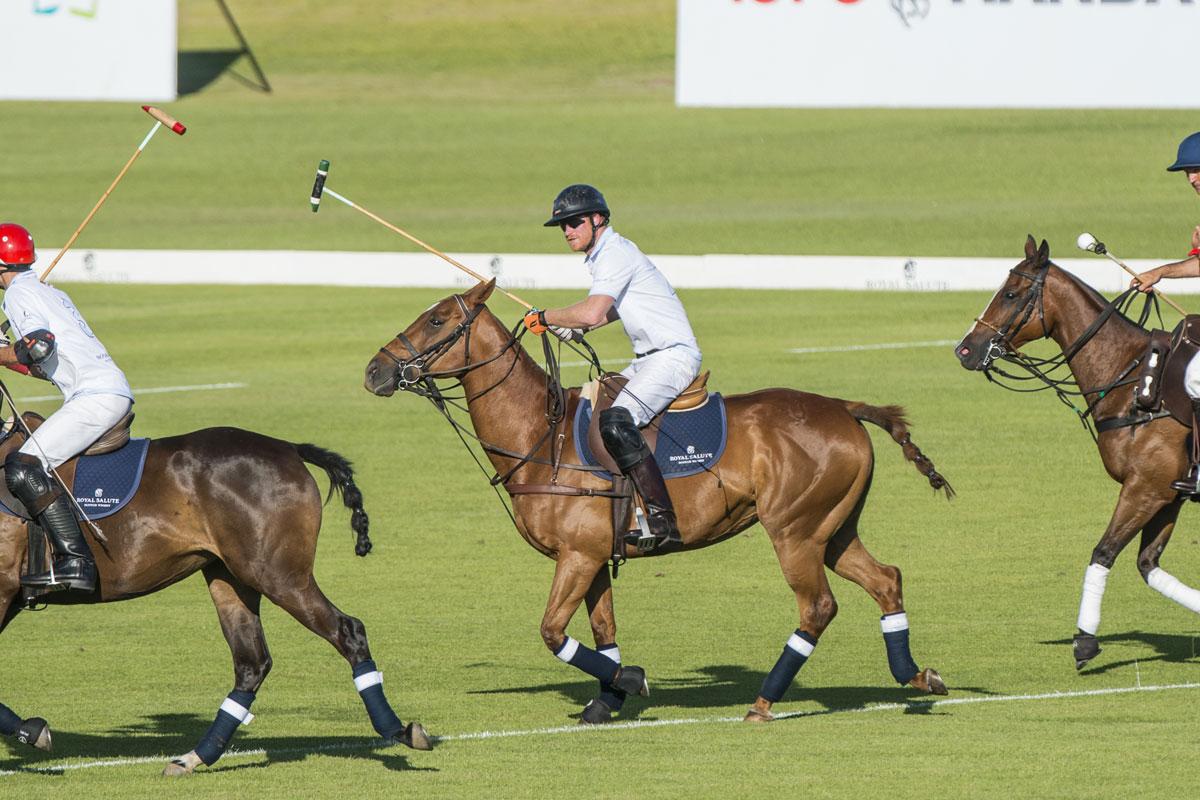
[172,123]
[319,185]
[1088,242]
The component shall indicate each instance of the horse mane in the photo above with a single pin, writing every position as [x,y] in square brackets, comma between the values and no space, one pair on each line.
[1099,299]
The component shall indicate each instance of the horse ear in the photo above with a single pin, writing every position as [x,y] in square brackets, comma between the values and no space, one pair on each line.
[1030,246]
[480,293]
[1044,252]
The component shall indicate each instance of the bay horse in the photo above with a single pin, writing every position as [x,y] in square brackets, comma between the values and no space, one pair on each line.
[800,463]
[243,509]
[1102,348]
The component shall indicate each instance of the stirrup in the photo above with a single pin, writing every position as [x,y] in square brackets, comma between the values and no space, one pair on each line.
[1189,485]
[646,542]
[73,574]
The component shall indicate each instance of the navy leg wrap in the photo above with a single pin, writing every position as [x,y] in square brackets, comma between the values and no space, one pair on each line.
[369,682]
[795,653]
[895,638]
[609,695]
[9,722]
[584,658]
[213,744]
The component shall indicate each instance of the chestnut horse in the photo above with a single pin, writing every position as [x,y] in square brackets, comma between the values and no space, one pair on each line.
[1102,348]
[243,509]
[798,462]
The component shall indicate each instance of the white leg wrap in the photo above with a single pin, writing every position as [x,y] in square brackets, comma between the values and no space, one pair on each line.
[237,711]
[368,680]
[1172,588]
[613,653]
[801,646]
[1094,580]
[568,650]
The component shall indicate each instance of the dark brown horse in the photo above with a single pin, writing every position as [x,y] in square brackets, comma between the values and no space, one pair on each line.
[243,509]
[799,463]
[1102,349]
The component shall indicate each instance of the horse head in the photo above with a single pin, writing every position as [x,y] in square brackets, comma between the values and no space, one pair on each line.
[1016,315]
[436,345]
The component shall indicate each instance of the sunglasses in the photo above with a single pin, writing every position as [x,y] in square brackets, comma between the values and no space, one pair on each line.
[572,223]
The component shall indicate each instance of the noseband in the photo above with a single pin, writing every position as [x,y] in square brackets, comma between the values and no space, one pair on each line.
[1000,344]
[413,374]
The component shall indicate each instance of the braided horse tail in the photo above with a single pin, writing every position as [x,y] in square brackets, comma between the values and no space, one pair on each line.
[892,420]
[341,480]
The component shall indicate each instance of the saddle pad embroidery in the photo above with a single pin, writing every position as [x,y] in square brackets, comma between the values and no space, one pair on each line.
[104,484]
[688,442]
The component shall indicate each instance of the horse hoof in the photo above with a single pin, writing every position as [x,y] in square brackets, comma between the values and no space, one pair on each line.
[930,682]
[756,714]
[632,680]
[596,712]
[1085,647]
[35,732]
[416,737]
[184,765]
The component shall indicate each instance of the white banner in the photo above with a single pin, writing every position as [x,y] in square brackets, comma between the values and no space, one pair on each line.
[936,53]
[521,273]
[88,50]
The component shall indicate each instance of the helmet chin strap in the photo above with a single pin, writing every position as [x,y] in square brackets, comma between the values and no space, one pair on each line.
[592,242]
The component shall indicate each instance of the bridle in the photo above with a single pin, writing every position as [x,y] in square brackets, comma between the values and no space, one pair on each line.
[413,373]
[1001,348]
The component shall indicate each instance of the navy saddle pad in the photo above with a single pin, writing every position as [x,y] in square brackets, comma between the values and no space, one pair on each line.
[104,484]
[688,441]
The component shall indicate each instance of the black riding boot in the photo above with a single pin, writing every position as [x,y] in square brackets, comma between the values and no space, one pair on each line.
[1191,483]
[625,444]
[73,565]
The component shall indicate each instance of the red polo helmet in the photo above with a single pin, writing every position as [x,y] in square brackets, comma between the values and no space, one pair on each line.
[16,246]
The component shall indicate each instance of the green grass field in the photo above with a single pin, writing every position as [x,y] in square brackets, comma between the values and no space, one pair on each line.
[452,597]
[459,121]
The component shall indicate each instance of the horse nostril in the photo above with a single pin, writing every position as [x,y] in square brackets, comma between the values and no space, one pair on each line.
[965,351]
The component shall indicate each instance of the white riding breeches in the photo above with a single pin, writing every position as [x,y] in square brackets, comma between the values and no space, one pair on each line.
[1191,378]
[655,380]
[75,427]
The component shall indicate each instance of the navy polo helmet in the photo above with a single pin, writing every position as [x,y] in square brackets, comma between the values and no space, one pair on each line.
[576,200]
[1189,154]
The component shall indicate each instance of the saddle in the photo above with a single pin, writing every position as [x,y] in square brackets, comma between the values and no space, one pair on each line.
[1160,381]
[604,390]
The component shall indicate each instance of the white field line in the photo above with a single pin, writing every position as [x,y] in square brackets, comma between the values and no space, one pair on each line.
[853,348]
[849,348]
[616,726]
[203,387]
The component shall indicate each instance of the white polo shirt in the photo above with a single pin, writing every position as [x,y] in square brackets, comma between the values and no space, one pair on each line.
[79,364]
[650,310]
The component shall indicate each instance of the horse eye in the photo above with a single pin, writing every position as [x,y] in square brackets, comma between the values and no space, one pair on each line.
[1010,295]
[435,322]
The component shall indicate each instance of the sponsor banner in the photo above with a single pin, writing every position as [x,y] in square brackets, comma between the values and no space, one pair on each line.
[88,50]
[935,53]
[519,272]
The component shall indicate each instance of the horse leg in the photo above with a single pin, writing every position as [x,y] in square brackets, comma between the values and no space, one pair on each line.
[303,599]
[804,570]
[1137,506]
[238,610]
[1155,536]
[849,558]
[604,633]
[34,731]
[574,576]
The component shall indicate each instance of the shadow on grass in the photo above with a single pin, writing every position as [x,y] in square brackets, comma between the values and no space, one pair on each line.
[730,685]
[1171,648]
[169,735]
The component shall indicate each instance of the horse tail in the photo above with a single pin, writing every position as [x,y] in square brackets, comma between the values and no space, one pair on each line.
[892,419]
[341,480]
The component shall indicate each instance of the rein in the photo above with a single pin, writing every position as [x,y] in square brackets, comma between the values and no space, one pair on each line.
[1041,370]
[414,374]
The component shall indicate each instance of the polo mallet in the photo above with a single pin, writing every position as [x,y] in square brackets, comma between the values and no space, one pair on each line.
[1090,243]
[160,120]
[319,189]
